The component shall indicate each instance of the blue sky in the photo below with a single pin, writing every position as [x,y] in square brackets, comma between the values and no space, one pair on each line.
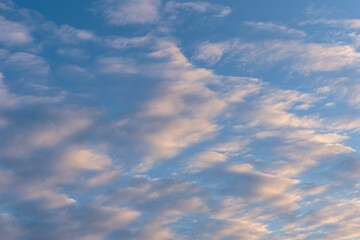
[169,119]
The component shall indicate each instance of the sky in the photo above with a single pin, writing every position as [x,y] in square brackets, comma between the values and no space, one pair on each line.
[179,120]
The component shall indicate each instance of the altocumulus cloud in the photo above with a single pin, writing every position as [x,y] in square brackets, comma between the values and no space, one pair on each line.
[172,119]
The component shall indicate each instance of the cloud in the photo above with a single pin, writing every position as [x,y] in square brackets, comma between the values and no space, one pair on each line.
[184,111]
[217,154]
[200,6]
[32,191]
[163,203]
[314,10]
[237,222]
[130,12]
[302,57]
[337,218]
[47,198]
[56,126]
[13,33]
[123,43]
[115,65]
[259,186]
[71,52]
[307,138]
[192,154]
[241,187]
[343,90]
[204,160]
[11,100]
[70,34]
[6,5]
[272,110]
[75,72]
[272,27]
[103,178]
[234,146]
[84,159]
[9,228]
[88,222]
[104,220]
[212,52]
[182,124]
[341,23]
[27,62]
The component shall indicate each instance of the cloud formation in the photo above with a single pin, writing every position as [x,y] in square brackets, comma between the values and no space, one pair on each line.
[302,57]
[13,33]
[176,120]
[131,12]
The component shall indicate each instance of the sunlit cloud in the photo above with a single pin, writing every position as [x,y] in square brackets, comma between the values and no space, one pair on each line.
[171,119]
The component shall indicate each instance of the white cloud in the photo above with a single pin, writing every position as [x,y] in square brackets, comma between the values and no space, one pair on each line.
[176,135]
[184,111]
[27,62]
[75,72]
[123,43]
[60,125]
[33,190]
[12,33]
[103,178]
[342,23]
[84,159]
[47,197]
[243,140]
[300,56]
[272,110]
[9,228]
[260,186]
[237,223]
[338,218]
[116,218]
[70,34]
[305,57]
[205,160]
[272,27]
[234,146]
[114,65]
[304,148]
[158,228]
[219,153]
[185,106]
[212,52]
[345,90]
[95,222]
[7,5]
[170,201]
[73,53]
[131,11]
[10,100]
[199,6]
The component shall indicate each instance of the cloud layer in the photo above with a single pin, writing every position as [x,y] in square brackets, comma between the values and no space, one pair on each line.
[182,120]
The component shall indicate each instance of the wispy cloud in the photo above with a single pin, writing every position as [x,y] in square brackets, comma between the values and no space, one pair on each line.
[272,27]
[302,57]
[13,33]
[218,10]
[70,34]
[29,63]
[130,12]
[340,23]
[113,65]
